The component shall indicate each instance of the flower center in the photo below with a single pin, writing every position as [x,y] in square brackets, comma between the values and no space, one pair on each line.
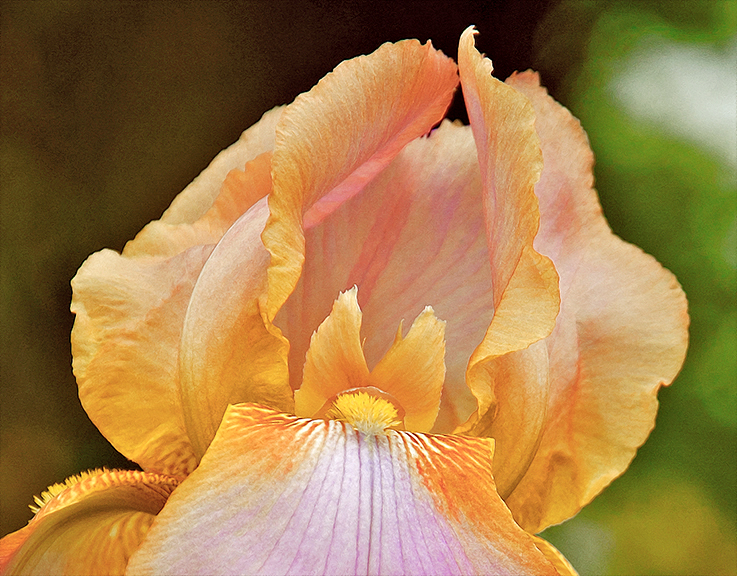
[367,412]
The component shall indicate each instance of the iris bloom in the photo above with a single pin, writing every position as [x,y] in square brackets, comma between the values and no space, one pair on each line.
[247,350]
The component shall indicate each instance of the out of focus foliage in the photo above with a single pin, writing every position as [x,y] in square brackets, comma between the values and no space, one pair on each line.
[110,108]
[655,86]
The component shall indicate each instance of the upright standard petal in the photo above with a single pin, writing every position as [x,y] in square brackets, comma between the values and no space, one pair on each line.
[130,308]
[413,238]
[620,335]
[334,139]
[91,524]
[276,494]
[505,373]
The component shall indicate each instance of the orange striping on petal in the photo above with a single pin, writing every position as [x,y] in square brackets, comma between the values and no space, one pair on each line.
[279,494]
[89,525]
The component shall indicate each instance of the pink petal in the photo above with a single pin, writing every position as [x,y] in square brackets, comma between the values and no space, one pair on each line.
[334,139]
[413,238]
[621,333]
[276,494]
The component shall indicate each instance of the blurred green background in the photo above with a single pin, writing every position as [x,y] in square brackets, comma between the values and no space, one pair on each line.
[110,108]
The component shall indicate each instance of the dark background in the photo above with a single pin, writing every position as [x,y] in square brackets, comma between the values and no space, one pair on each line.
[110,108]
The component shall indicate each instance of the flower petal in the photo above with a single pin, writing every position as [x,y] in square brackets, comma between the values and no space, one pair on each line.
[228,352]
[525,283]
[130,308]
[91,525]
[561,563]
[413,371]
[414,237]
[621,333]
[335,359]
[197,198]
[334,139]
[276,494]
[240,189]
[125,342]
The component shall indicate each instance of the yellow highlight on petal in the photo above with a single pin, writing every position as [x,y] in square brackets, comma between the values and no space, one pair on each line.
[55,489]
[366,413]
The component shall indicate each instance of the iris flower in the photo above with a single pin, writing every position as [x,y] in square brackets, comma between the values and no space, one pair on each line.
[248,350]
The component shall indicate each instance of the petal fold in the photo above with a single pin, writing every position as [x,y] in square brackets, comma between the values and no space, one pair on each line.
[621,333]
[89,525]
[228,352]
[276,494]
[334,139]
[504,372]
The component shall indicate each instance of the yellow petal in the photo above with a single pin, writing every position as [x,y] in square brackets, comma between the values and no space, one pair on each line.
[333,140]
[413,371]
[525,283]
[509,373]
[278,494]
[621,333]
[335,359]
[130,308]
[125,342]
[228,352]
[89,525]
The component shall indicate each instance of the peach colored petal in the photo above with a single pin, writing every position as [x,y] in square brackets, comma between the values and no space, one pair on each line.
[413,371]
[334,139]
[130,310]
[335,359]
[414,237]
[228,353]
[508,372]
[505,374]
[91,525]
[621,333]
[197,198]
[276,494]
[240,189]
